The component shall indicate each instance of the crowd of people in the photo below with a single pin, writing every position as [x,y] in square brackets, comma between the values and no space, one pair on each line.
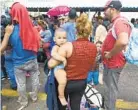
[134,22]
[74,48]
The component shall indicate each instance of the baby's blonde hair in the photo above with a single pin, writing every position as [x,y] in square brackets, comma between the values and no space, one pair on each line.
[59,30]
[83,26]
[56,32]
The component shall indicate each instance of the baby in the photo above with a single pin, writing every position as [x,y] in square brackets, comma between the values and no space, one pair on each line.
[59,72]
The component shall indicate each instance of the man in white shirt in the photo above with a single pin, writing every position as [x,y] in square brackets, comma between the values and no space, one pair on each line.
[101,31]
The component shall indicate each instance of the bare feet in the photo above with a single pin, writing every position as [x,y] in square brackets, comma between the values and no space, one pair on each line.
[63,100]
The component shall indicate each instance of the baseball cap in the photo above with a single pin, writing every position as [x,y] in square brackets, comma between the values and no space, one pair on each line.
[113,4]
[72,14]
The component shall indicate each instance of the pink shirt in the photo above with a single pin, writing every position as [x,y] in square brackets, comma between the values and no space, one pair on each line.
[118,60]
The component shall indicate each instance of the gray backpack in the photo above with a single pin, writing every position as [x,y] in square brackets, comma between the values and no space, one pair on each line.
[131,53]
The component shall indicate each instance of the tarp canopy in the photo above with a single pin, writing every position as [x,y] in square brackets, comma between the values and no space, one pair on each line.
[77,3]
[73,3]
[44,5]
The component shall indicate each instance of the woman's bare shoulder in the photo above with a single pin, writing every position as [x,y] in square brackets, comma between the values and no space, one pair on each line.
[67,44]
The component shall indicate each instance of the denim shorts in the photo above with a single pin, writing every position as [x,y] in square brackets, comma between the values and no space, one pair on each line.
[60,66]
[93,76]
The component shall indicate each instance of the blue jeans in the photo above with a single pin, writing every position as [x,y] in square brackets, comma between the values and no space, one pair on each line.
[90,108]
[10,70]
[3,69]
[93,76]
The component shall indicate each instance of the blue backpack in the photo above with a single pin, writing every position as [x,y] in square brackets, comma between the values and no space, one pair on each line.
[131,52]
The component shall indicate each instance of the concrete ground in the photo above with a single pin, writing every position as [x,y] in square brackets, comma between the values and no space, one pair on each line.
[127,99]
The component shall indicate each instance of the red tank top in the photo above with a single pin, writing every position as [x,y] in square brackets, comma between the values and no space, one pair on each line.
[82,59]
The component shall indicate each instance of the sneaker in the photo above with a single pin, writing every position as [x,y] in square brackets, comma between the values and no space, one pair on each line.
[23,104]
[14,88]
[22,107]
[4,107]
[38,73]
[33,97]
[19,100]
[3,78]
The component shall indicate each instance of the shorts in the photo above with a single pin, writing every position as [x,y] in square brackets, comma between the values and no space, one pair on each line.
[93,76]
[60,66]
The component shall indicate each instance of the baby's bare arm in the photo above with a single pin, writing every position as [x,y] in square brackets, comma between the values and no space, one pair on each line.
[56,56]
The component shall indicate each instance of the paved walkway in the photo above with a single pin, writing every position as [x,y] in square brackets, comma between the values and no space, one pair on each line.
[127,100]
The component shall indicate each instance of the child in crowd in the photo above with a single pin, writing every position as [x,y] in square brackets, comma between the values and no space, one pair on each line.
[60,39]
[46,37]
[93,76]
[99,60]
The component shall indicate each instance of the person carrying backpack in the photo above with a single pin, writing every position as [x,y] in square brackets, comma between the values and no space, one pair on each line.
[112,52]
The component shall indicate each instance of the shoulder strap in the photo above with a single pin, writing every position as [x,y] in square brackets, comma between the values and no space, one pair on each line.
[123,19]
